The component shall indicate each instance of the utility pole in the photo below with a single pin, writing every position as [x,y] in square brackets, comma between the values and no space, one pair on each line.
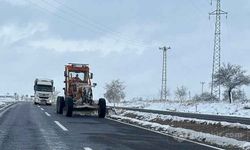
[164,73]
[202,86]
[215,90]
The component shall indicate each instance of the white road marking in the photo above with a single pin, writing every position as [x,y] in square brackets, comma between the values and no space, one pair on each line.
[61,126]
[217,148]
[42,109]
[87,148]
[47,114]
[52,139]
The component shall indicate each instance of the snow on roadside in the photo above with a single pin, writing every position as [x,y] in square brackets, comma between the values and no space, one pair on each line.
[213,108]
[2,104]
[187,133]
[6,101]
[150,116]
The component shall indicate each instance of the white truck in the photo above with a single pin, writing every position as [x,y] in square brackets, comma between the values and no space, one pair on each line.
[44,91]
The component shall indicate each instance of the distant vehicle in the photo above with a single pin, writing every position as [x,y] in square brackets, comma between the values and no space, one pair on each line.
[78,94]
[32,97]
[44,89]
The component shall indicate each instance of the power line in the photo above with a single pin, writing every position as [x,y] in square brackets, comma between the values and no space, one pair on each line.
[51,12]
[197,9]
[80,24]
[92,22]
[94,25]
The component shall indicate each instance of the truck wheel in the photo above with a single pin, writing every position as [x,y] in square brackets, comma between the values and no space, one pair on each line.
[49,104]
[59,104]
[69,106]
[102,108]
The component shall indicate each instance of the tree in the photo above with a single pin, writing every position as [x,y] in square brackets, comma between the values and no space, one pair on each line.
[205,96]
[181,93]
[115,91]
[237,95]
[231,77]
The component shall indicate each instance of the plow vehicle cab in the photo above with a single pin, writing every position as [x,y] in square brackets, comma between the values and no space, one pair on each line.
[78,94]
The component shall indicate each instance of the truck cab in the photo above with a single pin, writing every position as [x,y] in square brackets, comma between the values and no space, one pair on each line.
[43,91]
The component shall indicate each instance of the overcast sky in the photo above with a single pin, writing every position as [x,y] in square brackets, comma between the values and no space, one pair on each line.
[120,40]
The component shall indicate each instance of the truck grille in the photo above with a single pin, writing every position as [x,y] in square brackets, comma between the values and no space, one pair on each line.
[43,97]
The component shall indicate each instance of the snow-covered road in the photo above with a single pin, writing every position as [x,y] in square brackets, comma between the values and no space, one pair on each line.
[27,126]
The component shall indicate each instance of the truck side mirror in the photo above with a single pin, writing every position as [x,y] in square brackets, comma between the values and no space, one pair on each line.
[54,89]
[64,89]
[91,76]
[65,74]
[94,84]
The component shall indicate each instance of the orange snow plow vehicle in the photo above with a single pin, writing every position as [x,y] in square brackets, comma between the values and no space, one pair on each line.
[78,94]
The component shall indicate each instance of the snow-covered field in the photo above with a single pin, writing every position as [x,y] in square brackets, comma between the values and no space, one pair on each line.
[152,116]
[214,108]
[226,134]
[157,122]
[6,101]
[186,133]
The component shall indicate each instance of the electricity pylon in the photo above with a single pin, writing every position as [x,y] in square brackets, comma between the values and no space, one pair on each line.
[164,73]
[215,89]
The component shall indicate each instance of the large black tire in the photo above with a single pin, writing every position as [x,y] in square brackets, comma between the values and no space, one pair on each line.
[102,108]
[68,106]
[60,104]
[48,104]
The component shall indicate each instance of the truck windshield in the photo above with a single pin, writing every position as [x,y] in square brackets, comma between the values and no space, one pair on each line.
[44,88]
[81,75]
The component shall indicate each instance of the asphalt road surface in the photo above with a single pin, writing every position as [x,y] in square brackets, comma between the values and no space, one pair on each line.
[26,126]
